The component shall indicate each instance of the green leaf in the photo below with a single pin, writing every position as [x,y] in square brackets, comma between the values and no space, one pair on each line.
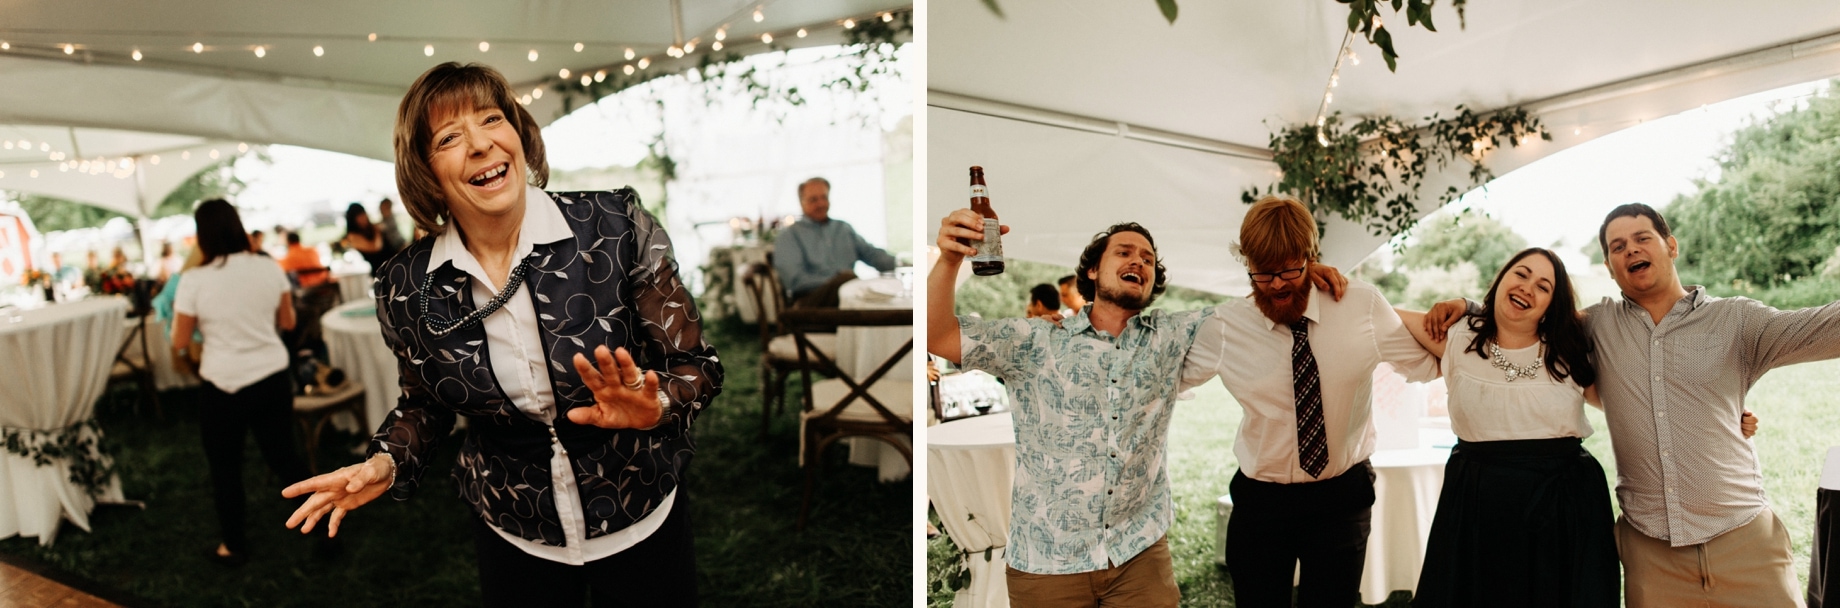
[1168,7]
[1354,17]
[994,9]
[1424,18]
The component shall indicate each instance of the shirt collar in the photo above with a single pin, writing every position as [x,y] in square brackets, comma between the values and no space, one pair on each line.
[1311,311]
[543,224]
[1695,298]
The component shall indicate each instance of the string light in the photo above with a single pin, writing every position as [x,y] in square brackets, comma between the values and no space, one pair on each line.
[674,52]
[8,144]
[1353,58]
[758,17]
[319,51]
[44,147]
[242,147]
[185,155]
[213,153]
[484,46]
[34,173]
[68,49]
[849,24]
[533,54]
[155,159]
[721,34]
[887,17]
[645,62]
[136,54]
[536,93]
[766,38]
[585,79]
[717,46]
[600,76]
[629,54]
[198,47]
[801,32]
[6,46]
[629,68]
[428,50]
[562,73]
[1577,130]
[690,47]
[261,52]
[373,36]
[524,100]
[579,47]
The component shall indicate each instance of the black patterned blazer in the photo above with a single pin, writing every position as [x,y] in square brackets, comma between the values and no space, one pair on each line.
[615,284]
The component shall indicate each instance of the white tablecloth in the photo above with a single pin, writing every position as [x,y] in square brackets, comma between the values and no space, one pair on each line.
[1406,484]
[354,285]
[354,343]
[970,463]
[744,302]
[159,347]
[860,350]
[56,360]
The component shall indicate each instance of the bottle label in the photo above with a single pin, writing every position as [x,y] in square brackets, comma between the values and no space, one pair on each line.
[978,191]
[991,248]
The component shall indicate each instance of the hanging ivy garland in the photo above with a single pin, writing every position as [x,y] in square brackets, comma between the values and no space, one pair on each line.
[1370,171]
[80,445]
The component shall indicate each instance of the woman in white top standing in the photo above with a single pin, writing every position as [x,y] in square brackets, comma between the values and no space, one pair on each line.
[239,302]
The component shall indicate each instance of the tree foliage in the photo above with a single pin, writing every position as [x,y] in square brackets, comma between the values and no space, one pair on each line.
[1772,215]
[1447,241]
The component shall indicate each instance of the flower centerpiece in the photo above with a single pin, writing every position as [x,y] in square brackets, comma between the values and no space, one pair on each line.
[38,278]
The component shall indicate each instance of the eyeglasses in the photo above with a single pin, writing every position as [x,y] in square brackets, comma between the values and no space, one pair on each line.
[1267,277]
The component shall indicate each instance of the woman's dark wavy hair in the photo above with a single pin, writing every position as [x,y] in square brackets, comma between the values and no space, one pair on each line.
[1568,349]
[1089,259]
[352,213]
[220,230]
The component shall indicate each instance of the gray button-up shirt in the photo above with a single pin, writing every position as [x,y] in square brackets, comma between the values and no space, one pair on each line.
[808,253]
[1673,392]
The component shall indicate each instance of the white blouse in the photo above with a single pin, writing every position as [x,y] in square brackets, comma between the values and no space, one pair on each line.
[515,347]
[1486,406]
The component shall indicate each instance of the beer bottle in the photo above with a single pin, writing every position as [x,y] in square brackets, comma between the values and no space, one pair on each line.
[989,258]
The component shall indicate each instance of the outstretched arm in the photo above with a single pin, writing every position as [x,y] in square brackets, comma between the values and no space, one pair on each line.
[942,333]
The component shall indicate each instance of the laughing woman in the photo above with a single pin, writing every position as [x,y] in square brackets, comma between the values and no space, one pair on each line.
[556,323]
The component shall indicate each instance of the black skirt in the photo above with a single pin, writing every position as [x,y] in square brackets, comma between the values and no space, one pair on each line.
[1521,523]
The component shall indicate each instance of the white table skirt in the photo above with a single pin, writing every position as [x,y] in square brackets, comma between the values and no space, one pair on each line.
[354,286]
[860,350]
[1406,486]
[159,348]
[57,360]
[354,343]
[970,463]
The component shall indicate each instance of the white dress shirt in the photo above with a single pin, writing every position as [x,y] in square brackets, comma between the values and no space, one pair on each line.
[1252,355]
[515,347]
[1486,406]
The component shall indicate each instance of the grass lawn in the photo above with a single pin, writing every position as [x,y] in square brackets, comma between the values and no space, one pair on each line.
[1797,428]
[744,494]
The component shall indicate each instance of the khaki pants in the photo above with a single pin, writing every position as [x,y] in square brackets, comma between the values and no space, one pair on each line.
[1147,580]
[1748,566]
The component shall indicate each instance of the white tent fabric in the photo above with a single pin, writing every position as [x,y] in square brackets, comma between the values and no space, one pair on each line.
[326,75]
[1088,112]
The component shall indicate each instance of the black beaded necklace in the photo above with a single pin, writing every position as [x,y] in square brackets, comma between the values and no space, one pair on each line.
[440,329]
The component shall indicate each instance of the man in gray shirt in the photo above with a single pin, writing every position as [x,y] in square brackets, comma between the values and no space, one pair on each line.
[1674,365]
[815,256]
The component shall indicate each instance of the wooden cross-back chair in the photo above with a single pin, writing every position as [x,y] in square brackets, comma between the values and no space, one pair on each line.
[779,355]
[844,406]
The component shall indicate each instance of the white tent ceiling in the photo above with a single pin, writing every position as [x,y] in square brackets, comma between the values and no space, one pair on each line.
[1087,112]
[329,74]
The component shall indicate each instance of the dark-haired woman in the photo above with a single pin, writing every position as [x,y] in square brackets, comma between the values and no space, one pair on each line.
[573,470]
[237,301]
[1524,516]
[366,238]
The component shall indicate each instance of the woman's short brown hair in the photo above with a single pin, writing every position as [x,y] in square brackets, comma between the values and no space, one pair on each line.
[1276,231]
[446,88]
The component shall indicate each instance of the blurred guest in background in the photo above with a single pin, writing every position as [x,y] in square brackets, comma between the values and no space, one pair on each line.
[256,246]
[815,256]
[362,235]
[1044,300]
[303,263]
[1071,300]
[386,223]
[170,262]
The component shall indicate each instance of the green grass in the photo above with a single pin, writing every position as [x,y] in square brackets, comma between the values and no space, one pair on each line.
[744,495]
[1792,444]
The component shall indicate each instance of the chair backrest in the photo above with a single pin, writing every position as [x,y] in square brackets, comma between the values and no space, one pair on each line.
[763,289]
[805,321]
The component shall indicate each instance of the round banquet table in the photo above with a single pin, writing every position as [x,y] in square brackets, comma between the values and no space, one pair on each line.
[354,285]
[860,350]
[1406,485]
[970,463]
[354,343]
[57,360]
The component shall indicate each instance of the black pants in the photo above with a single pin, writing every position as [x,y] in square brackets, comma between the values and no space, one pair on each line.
[659,571]
[823,296]
[1322,524]
[263,409]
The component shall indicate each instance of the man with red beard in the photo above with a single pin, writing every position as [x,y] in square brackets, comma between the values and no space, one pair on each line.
[1091,400]
[1301,365]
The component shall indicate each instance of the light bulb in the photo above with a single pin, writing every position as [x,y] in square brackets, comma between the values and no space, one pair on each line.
[629,69]
[242,147]
[34,173]
[629,54]
[524,100]
[600,76]
[68,49]
[562,73]
[428,50]
[721,34]
[585,79]
[261,52]
[186,155]
[1335,81]
[1577,130]
[155,159]
[849,24]
[373,36]
[213,153]
[887,17]
[1328,98]
[766,38]
[1353,58]
[44,147]
[801,32]
[645,62]
[484,46]
[136,55]
[532,55]
[319,51]
[716,47]
[8,145]
[758,17]
[6,46]
[579,47]
[690,47]
[536,93]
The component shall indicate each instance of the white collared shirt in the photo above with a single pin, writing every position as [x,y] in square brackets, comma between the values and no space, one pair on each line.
[514,345]
[1252,356]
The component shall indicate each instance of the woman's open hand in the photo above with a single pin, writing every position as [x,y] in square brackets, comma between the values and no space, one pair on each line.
[623,399]
[339,492]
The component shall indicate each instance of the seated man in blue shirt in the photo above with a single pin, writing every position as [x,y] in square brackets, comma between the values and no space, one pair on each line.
[815,256]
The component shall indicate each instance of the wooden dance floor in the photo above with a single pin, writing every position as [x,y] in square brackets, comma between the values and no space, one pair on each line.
[20,588]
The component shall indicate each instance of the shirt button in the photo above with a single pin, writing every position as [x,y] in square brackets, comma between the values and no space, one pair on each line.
[1657,378]
[1108,526]
[1114,416]
[1664,452]
[1114,454]
[1660,414]
[1657,343]
[1108,492]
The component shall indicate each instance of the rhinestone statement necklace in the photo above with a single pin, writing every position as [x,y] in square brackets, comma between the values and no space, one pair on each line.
[1516,372]
[442,328]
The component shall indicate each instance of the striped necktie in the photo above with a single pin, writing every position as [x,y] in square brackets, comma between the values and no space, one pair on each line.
[1312,445]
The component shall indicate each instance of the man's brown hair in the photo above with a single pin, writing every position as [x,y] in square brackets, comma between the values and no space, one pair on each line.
[1276,231]
[452,87]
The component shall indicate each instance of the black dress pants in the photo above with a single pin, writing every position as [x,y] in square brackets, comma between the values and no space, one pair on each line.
[263,409]
[658,571]
[1323,525]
